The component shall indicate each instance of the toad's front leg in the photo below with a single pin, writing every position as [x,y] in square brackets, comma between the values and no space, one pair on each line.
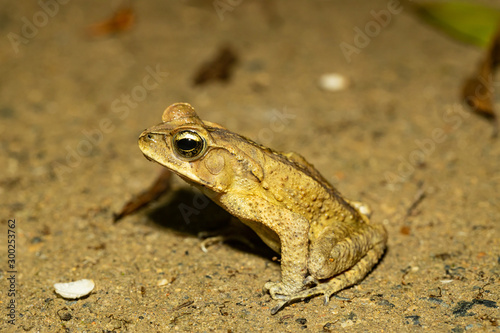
[294,251]
[283,231]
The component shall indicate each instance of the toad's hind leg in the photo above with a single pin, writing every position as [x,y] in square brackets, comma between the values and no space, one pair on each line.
[339,282]
[340,246]
[348,259]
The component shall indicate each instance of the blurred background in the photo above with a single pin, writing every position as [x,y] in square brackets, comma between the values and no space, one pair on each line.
[367,91]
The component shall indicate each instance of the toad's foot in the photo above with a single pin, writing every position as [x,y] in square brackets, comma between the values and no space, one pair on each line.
[282,291]
[211,240]
[234,231]
[278,307]
[326,288]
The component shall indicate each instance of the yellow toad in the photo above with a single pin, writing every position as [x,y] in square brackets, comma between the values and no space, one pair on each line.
[326,242]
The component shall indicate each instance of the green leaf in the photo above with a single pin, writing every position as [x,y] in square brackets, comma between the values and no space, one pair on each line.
[469,22]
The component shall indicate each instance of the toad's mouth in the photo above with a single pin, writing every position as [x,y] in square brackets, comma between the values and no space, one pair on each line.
[148,158]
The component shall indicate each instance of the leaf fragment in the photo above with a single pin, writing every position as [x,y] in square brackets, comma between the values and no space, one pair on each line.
[478,90]
[467,21]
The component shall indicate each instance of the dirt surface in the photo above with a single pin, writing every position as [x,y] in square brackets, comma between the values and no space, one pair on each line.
[398,138]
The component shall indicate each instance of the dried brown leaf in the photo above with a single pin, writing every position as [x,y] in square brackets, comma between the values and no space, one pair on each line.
[122,20]
[478,89]
[159,187]
[218,69]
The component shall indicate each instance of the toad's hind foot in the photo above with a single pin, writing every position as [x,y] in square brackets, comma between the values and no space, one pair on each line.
[278,307]
[337,283]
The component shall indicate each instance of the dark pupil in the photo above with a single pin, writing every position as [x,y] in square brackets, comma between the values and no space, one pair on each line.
[187,144]
[188,147]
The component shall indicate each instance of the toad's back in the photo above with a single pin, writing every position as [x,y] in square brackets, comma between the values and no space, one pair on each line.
[288,180]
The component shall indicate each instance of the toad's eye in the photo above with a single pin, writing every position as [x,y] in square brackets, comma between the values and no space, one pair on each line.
[189,144]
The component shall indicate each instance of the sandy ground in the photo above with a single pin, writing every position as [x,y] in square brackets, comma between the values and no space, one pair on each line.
[72,107]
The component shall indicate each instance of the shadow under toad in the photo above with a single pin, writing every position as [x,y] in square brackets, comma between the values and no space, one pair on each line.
[189,212]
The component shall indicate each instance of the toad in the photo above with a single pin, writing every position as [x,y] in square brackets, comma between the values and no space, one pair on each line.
[326,242]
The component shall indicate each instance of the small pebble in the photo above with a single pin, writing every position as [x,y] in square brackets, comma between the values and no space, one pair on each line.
[64,315]
[36,240]
[301,321]
[75,289]
[333,82]
[329,327]
[162,282]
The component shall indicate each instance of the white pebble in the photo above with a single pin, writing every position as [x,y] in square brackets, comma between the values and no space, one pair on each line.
[333,82]
[75,289]
[162,282]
